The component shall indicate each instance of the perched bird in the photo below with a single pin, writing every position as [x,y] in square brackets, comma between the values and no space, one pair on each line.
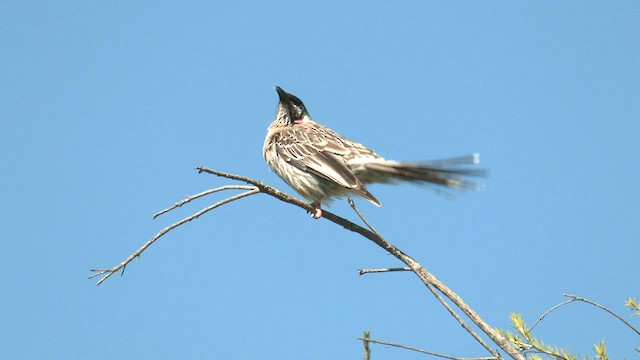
[322,165]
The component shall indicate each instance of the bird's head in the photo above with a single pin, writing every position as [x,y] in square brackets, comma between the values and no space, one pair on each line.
[290,109]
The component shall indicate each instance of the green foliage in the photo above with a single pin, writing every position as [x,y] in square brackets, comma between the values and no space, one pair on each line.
[632,304]
[601,351]
[533,348]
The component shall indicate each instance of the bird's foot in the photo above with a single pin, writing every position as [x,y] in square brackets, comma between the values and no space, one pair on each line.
[317,213]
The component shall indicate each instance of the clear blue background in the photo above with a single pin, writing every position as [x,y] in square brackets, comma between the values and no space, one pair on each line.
[107,107]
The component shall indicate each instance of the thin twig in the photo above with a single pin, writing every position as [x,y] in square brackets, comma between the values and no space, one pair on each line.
[496,337]
[549,311]
[576,297]
[162,232]
[424,351]
[355,208]
[462,323]
[368,271]
[204,193]
[365,343]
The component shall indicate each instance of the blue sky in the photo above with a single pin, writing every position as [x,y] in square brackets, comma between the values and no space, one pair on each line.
[107,108]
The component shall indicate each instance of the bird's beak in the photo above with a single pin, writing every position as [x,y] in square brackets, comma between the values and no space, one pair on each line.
[284,97]
[285,102]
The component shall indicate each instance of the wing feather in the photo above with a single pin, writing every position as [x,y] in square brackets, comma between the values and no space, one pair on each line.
[316,153]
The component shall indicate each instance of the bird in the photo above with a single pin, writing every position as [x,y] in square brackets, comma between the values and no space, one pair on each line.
[321,165]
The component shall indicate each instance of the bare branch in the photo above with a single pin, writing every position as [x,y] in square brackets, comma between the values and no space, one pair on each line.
[576,297]
[425,276]
[365,343]
[423,351]
[435,293]
[108,272]
[368,271]
[428,278]
[204,193]
[463,323]
[549,311]
[264,188]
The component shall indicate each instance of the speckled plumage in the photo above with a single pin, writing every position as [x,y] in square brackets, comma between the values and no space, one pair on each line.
[322,165]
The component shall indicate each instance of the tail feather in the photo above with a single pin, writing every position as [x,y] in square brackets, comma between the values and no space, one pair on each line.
[365,194]
[446,172]
[471,159]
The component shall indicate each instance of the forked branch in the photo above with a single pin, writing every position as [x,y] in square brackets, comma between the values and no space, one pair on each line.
[122,266]
[425,276]
[573,298]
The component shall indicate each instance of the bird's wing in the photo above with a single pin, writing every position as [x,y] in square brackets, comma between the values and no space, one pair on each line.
[318,153]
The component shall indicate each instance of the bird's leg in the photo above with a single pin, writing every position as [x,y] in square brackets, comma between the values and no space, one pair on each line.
[318,211]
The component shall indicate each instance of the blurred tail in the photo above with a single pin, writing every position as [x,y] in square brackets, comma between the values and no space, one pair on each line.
[451,172]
